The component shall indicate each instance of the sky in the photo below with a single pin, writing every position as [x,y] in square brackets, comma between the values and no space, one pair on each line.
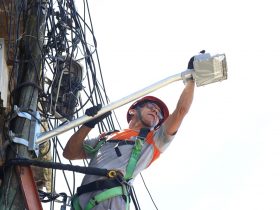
[226,153]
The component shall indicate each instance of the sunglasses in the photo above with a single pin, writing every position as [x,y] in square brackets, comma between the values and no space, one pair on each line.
[154,106]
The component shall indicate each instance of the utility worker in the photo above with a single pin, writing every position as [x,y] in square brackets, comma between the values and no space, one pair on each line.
[150,130]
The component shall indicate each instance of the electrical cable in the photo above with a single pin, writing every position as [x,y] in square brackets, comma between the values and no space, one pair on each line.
[148,191]
[134,199]
[68,35]
[65,167]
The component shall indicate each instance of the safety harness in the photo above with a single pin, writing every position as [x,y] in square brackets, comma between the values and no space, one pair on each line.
[119,185]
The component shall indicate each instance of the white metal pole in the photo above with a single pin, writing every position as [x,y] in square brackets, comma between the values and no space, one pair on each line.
[43,137]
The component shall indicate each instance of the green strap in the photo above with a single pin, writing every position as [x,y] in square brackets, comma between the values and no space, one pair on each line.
[93,150]
[105,195]
[136,152]
[75,203]
[121,190]
[135,155]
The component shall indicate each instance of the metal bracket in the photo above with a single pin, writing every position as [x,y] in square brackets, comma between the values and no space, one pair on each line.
[34,130]
[17,139]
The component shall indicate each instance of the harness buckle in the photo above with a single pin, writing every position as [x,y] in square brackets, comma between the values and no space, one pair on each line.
[112,174]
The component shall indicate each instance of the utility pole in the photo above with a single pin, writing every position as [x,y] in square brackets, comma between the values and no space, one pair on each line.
[14,194]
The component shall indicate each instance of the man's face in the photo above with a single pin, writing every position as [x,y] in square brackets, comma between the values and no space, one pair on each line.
[151,113]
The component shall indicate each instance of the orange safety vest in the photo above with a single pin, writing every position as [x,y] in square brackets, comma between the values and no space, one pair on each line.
[124,135]
[127,134]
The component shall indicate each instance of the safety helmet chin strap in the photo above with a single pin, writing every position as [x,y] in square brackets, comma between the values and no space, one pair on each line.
[141,118]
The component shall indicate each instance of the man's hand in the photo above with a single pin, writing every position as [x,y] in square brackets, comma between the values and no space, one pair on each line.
[191,67]
[190,64]
[93,111]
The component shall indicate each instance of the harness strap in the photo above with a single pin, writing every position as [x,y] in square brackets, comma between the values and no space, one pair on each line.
[136,151]
[105,195]
[94,150]
[98,185]
[75,203]
[122,142]
[102,140]
[114,190]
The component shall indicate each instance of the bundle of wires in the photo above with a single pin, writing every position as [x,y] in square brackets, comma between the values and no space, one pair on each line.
[67,71]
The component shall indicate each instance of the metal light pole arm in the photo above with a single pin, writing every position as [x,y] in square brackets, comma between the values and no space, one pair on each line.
[43,137]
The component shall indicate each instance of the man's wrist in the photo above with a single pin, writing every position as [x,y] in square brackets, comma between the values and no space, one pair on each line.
[187,80]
